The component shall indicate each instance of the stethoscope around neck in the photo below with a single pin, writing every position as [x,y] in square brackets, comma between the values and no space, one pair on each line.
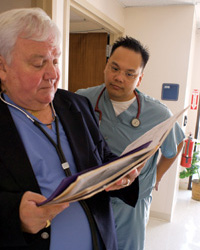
[135,122]
[64,163]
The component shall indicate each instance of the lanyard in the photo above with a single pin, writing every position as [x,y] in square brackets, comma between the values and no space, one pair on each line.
[64,163]
[65,167]
[135,121]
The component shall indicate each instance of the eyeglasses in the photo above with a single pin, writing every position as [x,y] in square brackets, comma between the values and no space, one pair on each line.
[129,76]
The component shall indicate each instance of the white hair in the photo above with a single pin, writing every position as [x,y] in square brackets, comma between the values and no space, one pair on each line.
[28,23]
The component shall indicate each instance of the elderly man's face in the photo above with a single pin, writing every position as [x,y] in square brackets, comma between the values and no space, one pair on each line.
[31,79]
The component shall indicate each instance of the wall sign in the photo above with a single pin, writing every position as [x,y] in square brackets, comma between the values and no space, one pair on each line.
[170,91]
[194,99]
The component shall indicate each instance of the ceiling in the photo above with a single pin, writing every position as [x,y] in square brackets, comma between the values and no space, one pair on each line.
[79,23]
[131,3]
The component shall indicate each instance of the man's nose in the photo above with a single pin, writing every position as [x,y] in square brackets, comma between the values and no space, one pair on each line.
[120,76]
[51,72]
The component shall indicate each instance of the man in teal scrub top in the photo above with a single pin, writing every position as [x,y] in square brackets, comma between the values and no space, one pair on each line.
[125,114]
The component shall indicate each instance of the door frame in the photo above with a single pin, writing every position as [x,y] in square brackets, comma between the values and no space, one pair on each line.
[61,16]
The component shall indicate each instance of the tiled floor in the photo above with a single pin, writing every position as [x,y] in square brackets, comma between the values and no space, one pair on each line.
[183,233]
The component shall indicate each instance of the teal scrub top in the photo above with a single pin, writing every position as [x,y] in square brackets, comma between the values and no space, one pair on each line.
[117,130]
[119,133]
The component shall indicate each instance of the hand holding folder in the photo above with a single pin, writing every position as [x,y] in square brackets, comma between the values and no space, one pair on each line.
[94,180]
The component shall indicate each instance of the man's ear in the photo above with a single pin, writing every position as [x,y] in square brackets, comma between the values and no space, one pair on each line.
[140,80]
[106,66]
[2,68]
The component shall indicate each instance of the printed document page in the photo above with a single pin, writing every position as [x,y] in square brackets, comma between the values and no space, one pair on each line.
[85,184]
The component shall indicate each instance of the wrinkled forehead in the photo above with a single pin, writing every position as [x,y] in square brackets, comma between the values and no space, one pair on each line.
[50,37]
[26,48]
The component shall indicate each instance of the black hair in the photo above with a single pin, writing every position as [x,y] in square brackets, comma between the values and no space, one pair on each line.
[132,44]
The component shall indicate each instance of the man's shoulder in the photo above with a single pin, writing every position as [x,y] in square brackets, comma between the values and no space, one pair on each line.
[91,91]
[64,93]
[68,96]
[155,106]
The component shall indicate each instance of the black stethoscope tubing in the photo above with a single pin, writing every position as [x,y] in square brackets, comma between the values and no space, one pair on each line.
[135,121]
[67,171]
[64,164]
[57,146]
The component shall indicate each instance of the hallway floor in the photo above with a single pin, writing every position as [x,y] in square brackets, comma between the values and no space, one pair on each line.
[183,233]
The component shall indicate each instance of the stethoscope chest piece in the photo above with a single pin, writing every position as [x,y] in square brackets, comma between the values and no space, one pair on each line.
[135,122]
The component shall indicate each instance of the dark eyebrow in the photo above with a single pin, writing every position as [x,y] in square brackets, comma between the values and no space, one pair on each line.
[114,63]
[129,70]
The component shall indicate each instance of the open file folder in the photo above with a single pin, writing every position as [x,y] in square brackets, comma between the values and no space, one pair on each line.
[87,183]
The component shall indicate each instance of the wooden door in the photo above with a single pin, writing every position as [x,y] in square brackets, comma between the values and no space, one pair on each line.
[87,60]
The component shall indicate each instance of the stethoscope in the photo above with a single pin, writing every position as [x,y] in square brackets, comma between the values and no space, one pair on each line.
[64,163]
[135,121]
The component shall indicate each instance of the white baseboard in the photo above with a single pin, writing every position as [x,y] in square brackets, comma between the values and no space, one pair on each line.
[160,216]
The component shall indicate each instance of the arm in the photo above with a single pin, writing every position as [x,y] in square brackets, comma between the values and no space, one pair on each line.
[164,164]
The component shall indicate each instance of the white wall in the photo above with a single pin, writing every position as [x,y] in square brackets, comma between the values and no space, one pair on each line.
[108,14]
[168,33]
[111,8]
[192,114]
